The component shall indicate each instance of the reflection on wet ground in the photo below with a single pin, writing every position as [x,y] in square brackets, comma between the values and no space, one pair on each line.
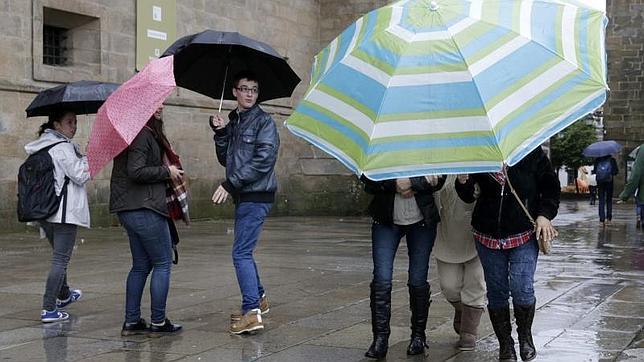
[590,294]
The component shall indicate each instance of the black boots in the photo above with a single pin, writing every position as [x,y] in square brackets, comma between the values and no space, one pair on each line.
[380,316]
[419,305]
[503,329]
[524,315]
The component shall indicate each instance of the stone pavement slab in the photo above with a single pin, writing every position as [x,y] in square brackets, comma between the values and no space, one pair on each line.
[316,270]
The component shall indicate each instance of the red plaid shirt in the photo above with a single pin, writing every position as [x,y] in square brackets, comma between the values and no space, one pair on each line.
[510,242]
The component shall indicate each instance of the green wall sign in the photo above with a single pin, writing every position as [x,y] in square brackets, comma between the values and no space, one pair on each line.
[156,29]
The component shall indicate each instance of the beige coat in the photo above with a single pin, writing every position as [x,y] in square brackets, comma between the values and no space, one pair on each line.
[454,242]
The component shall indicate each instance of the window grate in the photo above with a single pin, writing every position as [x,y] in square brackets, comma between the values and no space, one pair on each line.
[54,50]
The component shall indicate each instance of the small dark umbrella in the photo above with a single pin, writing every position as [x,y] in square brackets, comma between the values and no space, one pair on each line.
[82,97]
[206,62]
[602,148]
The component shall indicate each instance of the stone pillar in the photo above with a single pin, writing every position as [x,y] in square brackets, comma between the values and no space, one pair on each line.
[624,110]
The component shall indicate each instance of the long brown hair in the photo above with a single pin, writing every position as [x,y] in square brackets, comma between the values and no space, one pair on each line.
[156,125]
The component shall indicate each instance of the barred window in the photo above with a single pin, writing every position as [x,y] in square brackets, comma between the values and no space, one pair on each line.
[54,45]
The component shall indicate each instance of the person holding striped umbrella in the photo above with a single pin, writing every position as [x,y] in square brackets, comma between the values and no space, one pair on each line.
[401,207]
[507,224]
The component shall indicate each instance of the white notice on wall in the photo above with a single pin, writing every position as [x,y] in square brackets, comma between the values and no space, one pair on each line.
[156,13]
[157,34]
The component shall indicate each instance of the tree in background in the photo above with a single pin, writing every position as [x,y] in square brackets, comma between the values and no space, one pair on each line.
[567,146]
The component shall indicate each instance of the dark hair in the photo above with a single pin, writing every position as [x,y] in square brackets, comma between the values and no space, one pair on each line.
[156,125]
[54,116]
[247,74]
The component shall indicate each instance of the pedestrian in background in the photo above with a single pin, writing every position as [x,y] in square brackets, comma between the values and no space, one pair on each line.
[401,207]
[514,210]
[247,144]
[71,173]
[592,184]
[604,169]
[138,196]
[635,184]
[459,269]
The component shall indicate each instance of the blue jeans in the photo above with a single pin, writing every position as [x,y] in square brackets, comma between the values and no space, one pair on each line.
[509,271]
[151,249]
[249,219]
[62,238]
[384,244]
[605,190]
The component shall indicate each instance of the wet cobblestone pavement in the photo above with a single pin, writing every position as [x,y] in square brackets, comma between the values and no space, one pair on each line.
[590,296]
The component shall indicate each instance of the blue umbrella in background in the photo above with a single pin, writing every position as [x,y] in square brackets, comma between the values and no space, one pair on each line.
[602,148]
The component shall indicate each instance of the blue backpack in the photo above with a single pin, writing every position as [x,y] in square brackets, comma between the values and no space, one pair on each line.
[604,170]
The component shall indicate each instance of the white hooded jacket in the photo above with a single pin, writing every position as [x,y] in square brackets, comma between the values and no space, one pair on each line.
[67,162]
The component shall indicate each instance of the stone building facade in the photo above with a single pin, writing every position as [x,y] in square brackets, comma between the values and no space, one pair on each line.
[624,110]
[310,182]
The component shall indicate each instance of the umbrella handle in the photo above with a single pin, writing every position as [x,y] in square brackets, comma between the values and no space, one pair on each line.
[223,88]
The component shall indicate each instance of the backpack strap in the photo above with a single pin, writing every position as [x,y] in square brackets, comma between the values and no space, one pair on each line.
[51,145]
[63,195]
[63,191]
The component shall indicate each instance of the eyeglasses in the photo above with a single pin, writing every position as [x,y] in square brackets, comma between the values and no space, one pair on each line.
[245,89]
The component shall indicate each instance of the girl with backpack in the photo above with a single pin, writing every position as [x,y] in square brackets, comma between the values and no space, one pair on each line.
[71,173]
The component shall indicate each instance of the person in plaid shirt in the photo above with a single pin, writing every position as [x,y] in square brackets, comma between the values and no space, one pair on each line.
[506,241]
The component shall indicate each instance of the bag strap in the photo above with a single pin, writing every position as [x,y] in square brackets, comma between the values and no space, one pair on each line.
[527,213]
[63,191]
[63,195]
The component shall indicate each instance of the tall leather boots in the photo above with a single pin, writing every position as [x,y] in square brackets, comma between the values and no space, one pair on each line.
[419,305]
[469,327]
[380,315]
[503,329]
[524,315]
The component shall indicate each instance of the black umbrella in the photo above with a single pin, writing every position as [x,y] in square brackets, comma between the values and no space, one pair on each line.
[206,62]
[82,97]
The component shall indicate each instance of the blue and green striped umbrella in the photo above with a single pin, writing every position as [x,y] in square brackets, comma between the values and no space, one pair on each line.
[453,86]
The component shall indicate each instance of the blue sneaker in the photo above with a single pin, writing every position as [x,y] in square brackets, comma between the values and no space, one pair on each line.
[53,316]
[74,295]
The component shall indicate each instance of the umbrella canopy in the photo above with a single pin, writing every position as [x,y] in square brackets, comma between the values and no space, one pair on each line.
[206,62]
[453,86]
[127,110]
[602,148]
[82,97]
[634,152]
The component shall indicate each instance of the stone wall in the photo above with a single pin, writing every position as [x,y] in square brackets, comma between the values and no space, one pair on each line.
[310,183]
[624,110]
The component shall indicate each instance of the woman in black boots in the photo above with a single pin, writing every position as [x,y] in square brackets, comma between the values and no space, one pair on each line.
[513,211]
[402,207]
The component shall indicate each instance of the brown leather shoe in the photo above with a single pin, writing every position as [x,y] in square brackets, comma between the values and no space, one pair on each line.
[249,322]
[263,307]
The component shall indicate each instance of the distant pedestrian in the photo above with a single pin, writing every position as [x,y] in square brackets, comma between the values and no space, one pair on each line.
[71,173]
[635,184]
[604,169]
[459,269]
[507,241]
[247,144]
[401,207]
[592,184]
[138,189]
